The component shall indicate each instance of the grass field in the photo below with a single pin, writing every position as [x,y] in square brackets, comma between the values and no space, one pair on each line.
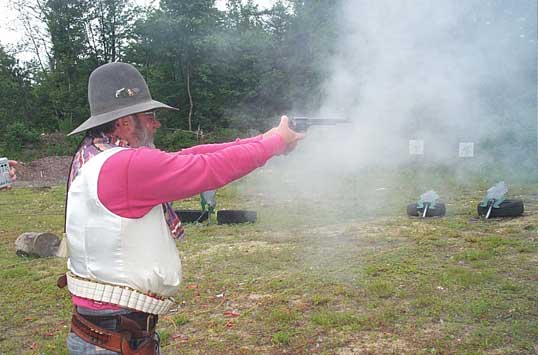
[343,271]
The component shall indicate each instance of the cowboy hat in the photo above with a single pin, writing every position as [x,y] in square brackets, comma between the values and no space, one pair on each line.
[116,90]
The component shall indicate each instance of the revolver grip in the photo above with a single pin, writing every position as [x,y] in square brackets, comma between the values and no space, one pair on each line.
[298,125]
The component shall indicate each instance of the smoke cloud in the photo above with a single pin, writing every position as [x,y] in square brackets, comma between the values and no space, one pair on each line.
[441,72]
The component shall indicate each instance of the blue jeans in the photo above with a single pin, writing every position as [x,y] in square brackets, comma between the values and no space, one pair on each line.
[77,346]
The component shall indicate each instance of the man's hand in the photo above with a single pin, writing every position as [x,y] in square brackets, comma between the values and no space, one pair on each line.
[290,137]
[12,173]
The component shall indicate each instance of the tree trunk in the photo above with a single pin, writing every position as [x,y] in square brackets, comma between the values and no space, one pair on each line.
[113,35]
[191,104]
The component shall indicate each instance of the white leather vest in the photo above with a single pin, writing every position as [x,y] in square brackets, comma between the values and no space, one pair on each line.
[104,247]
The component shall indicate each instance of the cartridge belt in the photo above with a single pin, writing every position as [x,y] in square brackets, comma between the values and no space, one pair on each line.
[119,295]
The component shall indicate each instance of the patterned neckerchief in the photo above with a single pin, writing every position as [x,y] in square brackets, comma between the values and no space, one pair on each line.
[90,147]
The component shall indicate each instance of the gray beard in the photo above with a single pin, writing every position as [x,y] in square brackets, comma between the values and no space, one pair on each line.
[145,138]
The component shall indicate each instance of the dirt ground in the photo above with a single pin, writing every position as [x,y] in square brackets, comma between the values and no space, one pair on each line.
[48,171]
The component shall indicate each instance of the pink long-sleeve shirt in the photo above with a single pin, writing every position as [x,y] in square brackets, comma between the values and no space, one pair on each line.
[133,181]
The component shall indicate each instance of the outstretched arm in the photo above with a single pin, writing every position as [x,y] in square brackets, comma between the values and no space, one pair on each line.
[133,181]
[211,148]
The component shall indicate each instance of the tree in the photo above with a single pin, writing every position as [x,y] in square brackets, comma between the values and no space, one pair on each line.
[66,21]
[15,91]
[79,35]
[310,40]
[189,25]
[108,29]
[257,81]
[15,103]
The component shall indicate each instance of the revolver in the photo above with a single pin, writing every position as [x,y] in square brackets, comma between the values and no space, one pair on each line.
[301,124]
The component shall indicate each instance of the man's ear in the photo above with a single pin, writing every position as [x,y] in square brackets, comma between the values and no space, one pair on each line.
[121,126]
[123,121]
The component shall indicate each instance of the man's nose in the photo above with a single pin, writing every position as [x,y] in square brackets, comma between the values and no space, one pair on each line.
[156,124]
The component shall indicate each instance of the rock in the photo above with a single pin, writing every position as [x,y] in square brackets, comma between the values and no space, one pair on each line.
[36,244]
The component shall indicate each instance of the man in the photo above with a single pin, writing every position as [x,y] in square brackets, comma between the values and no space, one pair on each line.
[12,173]
[123,264]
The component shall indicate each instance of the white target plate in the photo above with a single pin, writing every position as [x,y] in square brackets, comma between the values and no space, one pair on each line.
[466,150]
[416,147]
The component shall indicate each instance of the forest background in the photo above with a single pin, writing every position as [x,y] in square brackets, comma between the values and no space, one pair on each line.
[232,71]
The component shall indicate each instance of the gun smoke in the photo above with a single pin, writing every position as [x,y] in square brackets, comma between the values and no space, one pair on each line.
[443,72]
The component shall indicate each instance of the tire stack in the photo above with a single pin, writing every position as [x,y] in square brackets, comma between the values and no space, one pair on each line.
[414,211]
[236,216]
[507,208]
[223,216]
[191,216]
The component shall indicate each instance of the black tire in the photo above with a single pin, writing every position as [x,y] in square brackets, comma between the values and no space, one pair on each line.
[507,208]
[190,216]
[236,216]
[412,210]
[438,211]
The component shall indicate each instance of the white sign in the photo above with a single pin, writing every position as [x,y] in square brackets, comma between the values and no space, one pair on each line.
[467,150]
[416,147]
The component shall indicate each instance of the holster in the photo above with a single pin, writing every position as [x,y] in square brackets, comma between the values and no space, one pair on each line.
[130,337]
[147,347]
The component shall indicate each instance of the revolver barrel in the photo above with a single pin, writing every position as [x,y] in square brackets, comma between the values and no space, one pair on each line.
[301,124]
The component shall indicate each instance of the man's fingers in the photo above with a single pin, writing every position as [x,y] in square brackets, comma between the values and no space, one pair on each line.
[12,170]
[284,121]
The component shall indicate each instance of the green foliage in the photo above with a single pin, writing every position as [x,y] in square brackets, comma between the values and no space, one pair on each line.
[15,92]
[181,319]
[175,140]
[225,135]
[17,135]
[41,145]
[282,337]
[56,144]
[65,125]
[228,71]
